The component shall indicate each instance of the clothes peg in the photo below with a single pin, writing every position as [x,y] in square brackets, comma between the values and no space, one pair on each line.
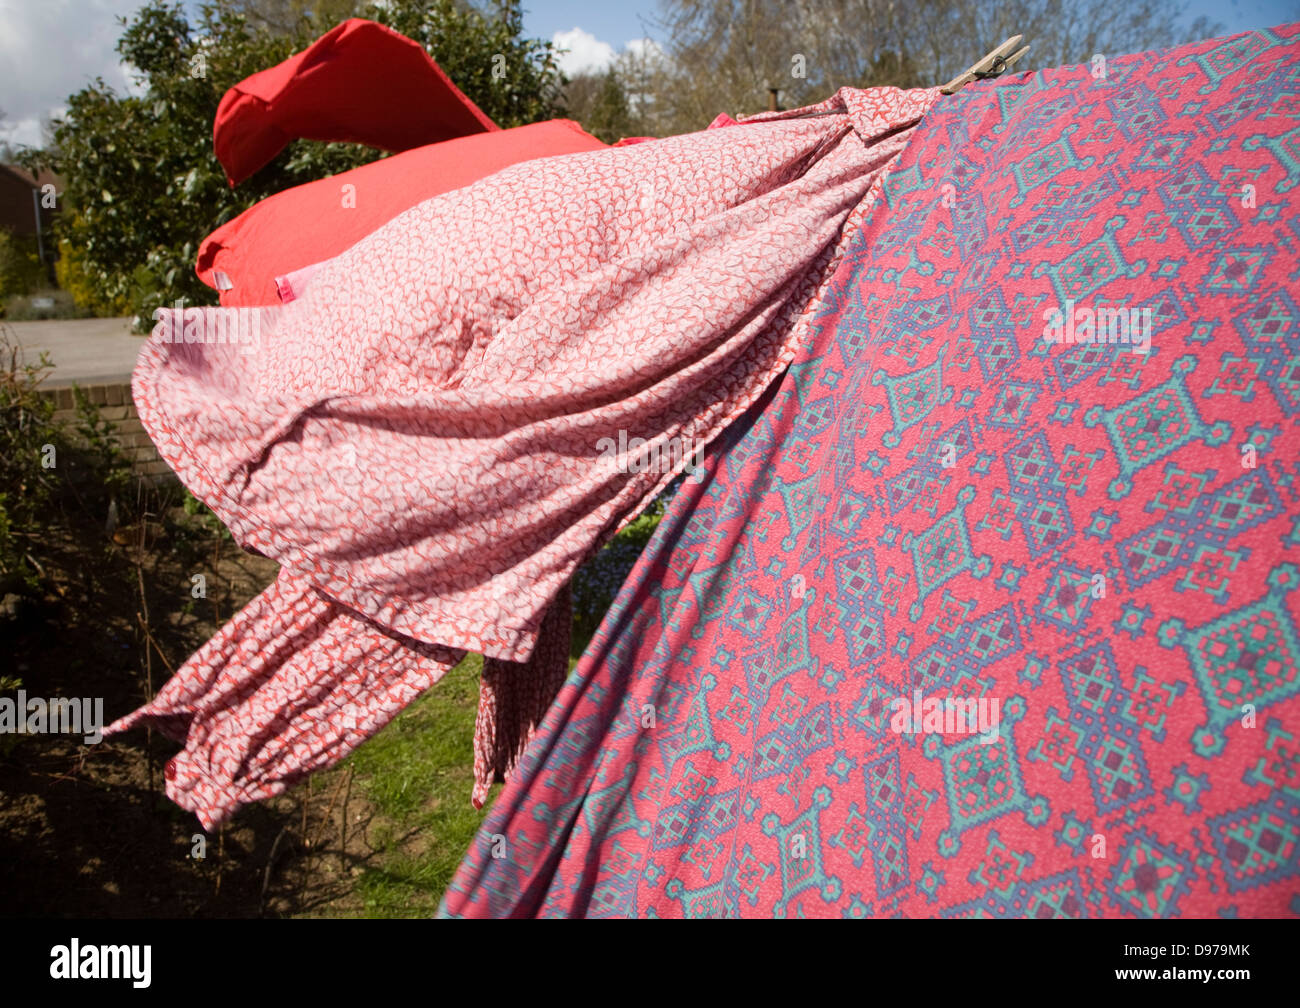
[995,64]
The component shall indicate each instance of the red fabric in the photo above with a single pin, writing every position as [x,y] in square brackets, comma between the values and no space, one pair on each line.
[359,83]
[317,221]
[463,405]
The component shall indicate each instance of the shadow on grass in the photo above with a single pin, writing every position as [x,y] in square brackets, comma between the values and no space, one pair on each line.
[417,779]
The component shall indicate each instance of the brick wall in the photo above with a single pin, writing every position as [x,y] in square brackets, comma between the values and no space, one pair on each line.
[115,405]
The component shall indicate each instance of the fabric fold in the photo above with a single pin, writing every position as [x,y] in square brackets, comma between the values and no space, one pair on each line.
[360,82]
[313,222]
[465,404]
[292,684]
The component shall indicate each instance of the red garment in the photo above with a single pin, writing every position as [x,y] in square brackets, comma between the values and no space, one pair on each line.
[359,83]
[310,223]
[463,405]
[274,248]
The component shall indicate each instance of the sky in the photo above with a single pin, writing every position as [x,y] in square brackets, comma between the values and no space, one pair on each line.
[51,48]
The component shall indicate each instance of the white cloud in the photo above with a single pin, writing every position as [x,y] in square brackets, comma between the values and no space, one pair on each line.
[50,49]
[586,53]
[20,132]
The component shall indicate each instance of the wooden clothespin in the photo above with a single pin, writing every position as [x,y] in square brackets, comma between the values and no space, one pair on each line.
[995,64]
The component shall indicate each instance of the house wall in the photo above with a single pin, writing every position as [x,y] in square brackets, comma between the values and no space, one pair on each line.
[16,212]
[116,406]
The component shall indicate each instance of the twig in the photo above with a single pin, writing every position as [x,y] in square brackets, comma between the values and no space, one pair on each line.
[328,809]
[54,777]
[343,828]
[305,798]
[221,858]
[270,863]
[149,637]
[143,617]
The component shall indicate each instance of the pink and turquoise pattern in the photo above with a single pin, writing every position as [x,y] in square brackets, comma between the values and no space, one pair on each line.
[944,498]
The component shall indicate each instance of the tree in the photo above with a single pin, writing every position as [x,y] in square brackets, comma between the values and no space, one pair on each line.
[143,186]
[724,55]
[599,103]
[514,79]
[293,17]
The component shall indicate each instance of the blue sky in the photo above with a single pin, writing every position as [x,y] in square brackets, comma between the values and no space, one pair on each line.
[616,22]
[51,48]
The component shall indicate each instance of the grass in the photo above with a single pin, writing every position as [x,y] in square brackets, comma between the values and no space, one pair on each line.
[416,775]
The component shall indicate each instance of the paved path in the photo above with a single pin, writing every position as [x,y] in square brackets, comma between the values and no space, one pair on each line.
[85,351]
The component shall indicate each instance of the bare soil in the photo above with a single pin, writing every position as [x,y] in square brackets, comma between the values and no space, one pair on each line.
[86,830]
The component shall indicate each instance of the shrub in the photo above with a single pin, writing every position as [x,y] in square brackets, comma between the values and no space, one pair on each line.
[70,270]
[47,469]
[20,268]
